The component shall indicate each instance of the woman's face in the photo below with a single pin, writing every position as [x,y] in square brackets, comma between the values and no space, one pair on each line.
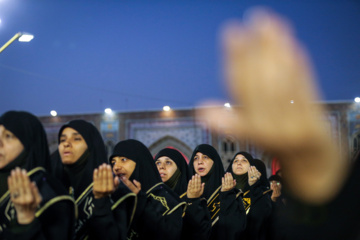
[240,165]
[72,146]
[123,166]
[10,147]
[202,164]
[166,167]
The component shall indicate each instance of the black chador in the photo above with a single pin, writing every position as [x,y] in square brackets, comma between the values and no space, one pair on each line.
[179,181]
[227,213]
[159,210]
[256,199]
[97,218]
[196,219]
[56,212]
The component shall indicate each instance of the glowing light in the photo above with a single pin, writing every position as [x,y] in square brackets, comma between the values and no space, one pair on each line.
[357,99]
[292,101]
[26,37]
[227,105]
[53,113]
[108,111]
[166,108]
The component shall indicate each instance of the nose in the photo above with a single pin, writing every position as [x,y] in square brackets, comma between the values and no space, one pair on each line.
[117,167]
[162,166]
[200,161]
[66,143]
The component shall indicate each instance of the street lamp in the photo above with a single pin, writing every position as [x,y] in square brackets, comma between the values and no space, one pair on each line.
[23,37]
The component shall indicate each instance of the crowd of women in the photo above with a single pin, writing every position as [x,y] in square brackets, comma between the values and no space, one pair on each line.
[79,193]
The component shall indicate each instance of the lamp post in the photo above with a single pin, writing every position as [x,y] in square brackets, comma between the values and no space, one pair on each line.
[23,37]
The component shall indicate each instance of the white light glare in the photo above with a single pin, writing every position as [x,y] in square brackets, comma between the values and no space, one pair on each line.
[26,37]
[292,101]
[227,105]
[108,111]
[357,99]
[53,113]
[166,108]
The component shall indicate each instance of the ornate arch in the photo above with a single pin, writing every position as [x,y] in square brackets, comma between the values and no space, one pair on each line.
[170,141]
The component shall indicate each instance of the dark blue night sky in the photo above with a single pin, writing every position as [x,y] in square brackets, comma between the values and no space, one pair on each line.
[141,55]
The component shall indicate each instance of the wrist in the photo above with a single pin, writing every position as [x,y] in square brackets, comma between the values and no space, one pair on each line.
[25,218]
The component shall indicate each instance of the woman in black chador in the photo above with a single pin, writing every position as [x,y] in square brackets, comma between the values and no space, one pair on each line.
[159,210]
[33,204]
[90,182]
[174,172]
[225,205]
[251,180]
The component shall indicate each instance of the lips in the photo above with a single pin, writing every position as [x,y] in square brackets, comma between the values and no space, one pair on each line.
[67,153]
[120,174]
[162,175]
[201,169]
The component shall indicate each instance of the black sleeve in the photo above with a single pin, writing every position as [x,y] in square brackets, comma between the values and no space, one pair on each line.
[256,192]
[103,224]
[197,222]
[58,218]
[338,219]
[151,223]
[258,217]
[232,217]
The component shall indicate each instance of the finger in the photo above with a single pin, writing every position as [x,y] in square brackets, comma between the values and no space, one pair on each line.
[137,184]
[223,182]
[21,187]
[116,182]
[202,187]
[128,183]
[109,179]
[197,182]
[26,185]
[35,193]
[220,119]
[190,184]
[96,178]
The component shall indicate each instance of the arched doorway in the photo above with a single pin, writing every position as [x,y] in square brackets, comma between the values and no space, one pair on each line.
[172,142]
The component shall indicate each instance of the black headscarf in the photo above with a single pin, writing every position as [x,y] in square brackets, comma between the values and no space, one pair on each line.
[216,172]
[241,180]
[145,170]
[29,130]
[263,181]
[177,157]
[81,172]
[275,178]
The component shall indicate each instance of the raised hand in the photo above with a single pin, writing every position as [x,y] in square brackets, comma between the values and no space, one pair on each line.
[24,195]
[195,187]
[269,76]
[276,192]
[104,183]
[254,175]
[228,182]
[134,186]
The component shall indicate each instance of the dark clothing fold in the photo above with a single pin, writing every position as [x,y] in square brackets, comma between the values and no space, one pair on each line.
[56,211]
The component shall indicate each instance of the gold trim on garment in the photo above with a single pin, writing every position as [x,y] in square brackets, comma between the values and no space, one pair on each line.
[183,195]
[53,201]
[266,191]
[84,192]
[147,192]
[117,203]
[212,195]
[176,207]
